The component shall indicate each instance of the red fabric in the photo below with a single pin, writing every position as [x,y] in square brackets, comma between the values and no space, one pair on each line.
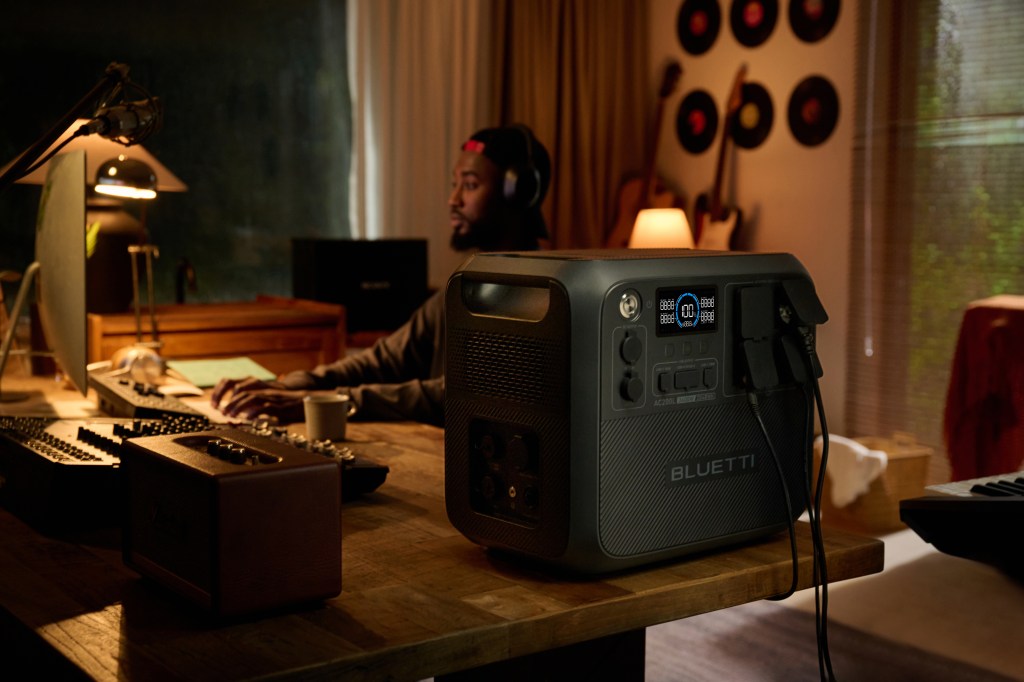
[984,417]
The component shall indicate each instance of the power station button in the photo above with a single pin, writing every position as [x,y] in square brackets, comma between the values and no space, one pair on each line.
[631,349]
[632,388]
[629,305]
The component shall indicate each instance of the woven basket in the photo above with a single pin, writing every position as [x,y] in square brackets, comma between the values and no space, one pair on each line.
[878,510]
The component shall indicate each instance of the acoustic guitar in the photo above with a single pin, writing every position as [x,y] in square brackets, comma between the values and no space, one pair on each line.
[646,191]
[716,225]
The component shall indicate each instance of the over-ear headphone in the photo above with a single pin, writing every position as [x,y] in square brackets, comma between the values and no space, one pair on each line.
[522,181]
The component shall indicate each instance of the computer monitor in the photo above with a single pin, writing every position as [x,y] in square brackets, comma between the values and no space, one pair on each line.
[379,281]
[59,268]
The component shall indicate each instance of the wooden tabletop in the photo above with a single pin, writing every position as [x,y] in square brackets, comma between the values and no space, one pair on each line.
[417,600]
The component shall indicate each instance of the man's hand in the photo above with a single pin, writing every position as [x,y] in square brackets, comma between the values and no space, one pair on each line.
[249,398]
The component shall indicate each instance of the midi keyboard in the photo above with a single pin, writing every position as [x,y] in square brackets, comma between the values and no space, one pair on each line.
[979,519]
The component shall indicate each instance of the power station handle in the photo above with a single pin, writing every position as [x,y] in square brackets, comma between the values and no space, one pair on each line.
[525,303]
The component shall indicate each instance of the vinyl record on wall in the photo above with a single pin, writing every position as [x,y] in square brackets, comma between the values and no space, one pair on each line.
[697,121]
[698,25]
[754,118]
[813,110]
[812,20]
[753,21]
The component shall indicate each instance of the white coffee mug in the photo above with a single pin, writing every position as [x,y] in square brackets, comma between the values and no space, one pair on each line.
[327,415]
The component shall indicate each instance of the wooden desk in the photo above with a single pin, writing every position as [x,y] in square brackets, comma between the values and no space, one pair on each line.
[418,599]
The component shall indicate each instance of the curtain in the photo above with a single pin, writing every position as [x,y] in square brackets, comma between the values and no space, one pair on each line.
[425,74]
[422,74]
[938,215]
[574,73]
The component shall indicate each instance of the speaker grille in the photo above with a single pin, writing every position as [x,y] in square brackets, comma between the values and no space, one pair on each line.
[520,369]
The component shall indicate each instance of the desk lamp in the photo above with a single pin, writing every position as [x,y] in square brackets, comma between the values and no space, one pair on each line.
[116,175]
[661,228]
[133,179]
[114,118]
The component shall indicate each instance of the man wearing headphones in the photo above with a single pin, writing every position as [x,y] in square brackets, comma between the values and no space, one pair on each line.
[498,185]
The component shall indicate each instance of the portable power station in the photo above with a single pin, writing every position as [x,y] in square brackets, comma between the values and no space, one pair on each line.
[598,403]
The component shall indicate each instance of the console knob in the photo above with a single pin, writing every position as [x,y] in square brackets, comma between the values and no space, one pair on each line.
[238,454]
[632,388]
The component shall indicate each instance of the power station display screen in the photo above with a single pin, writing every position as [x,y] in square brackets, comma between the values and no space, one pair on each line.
[682,310]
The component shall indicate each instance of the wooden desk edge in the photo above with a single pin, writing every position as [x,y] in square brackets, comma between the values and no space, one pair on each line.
[849,556]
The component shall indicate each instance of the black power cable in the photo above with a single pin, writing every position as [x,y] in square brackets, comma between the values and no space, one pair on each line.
[820,564]
[820,570]
[756,409]
[758,331]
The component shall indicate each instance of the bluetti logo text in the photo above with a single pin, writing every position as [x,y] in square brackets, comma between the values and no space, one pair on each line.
[703,469]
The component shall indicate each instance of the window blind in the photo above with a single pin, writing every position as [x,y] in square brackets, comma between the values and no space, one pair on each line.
[938,210]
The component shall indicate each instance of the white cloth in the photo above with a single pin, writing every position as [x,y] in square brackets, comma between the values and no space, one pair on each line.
[851,468]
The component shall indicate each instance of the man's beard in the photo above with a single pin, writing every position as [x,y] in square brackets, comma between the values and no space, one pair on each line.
[480,235]
[464,241]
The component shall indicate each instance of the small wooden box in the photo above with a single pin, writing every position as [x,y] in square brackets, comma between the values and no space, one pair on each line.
[878,510]
[240,526]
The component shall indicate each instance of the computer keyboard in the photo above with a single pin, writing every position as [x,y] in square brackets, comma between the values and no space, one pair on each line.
[119,396]
[979,519]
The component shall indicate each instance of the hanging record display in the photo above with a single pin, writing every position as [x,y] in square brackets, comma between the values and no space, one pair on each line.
[754,118]
[812,20]
[753,21]
[697,121]
[698,24]
[813,110]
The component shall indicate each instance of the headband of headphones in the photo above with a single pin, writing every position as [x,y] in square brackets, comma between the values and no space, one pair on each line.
[512,150]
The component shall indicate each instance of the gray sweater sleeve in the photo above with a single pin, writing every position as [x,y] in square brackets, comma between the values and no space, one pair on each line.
[400,377]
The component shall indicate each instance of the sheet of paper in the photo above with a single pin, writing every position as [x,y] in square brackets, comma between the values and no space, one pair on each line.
[206,373]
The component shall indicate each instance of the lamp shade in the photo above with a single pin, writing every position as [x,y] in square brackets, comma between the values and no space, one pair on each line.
[98,150]
[661,228]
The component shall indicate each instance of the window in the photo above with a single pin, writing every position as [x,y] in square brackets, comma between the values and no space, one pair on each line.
[938,198]
[257,124]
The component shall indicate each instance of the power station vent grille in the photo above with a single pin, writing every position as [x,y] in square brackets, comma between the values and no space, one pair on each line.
[521,369]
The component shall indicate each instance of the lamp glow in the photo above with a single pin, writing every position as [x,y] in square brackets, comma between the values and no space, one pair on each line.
[661,228]
[126,178]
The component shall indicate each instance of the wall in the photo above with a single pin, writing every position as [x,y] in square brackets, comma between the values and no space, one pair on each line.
[794,198]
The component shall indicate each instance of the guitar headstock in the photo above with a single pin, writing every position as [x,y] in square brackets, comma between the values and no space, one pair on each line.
[669,81]
[736,95]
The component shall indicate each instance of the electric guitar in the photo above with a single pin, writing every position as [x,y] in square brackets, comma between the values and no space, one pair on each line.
[647,191]
[716,225]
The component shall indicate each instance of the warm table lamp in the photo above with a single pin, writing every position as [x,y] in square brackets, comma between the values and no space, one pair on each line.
[661,228]
[62,252]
